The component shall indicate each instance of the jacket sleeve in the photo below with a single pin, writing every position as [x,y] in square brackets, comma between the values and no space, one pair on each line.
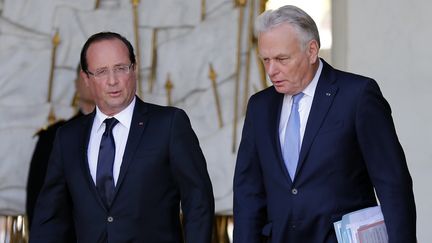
[190,171]
[52,220]
[386,164]
[249,194]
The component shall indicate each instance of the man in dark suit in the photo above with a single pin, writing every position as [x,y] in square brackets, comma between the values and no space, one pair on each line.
[315,145]
[39,162]
[120,173]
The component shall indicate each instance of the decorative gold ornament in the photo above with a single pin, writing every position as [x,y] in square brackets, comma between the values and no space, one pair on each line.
[168,87]
[212,76]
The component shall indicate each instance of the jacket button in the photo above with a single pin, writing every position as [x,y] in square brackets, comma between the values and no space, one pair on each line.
[110,219]
[294,191]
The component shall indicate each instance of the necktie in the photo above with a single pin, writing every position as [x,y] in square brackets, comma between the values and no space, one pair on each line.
[104,172]
[291,148]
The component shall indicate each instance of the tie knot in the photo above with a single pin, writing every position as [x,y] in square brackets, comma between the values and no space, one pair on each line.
[110,124]
[297,97]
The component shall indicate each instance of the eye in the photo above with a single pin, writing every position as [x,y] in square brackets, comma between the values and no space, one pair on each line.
[282,60]
[121,69]
[101,72]
[266,60]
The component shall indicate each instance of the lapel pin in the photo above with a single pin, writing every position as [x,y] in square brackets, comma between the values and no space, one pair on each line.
[140,123]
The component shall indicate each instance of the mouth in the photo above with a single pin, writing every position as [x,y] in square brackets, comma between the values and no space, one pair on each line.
[114,93]
[277,82]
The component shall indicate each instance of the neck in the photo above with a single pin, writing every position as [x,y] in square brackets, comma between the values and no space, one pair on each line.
[86,107]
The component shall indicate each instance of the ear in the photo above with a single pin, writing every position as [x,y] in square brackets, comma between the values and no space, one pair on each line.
[85,77]
[313,50]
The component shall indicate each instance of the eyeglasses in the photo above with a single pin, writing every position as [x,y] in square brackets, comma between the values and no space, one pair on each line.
[119,71]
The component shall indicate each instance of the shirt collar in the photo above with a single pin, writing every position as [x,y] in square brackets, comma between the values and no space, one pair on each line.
[310,89]
[124,117]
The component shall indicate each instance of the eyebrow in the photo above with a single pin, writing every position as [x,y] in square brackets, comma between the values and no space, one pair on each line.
[116,65]
[277,56]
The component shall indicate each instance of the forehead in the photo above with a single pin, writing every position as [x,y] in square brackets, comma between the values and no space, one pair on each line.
[279,39]
[105,53]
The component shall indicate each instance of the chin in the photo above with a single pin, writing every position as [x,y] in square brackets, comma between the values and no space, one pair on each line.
[281,90]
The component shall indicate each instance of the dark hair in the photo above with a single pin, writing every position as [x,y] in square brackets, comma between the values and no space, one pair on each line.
[104,36]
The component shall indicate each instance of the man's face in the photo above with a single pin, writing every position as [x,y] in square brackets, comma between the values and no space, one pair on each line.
[114,91]
[82,89]
[289,66]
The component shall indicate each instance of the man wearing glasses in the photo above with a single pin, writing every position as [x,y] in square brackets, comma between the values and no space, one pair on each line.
[120,173]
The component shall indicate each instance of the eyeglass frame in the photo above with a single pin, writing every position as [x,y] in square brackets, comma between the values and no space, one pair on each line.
[95,74]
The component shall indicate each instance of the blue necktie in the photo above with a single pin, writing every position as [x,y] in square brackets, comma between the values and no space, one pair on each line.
[291,148]
[104,172]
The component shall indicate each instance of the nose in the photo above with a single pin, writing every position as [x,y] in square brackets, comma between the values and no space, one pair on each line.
[111,79]
[272,68]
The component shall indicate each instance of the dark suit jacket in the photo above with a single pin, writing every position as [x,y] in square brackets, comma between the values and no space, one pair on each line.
[162,165]
[39,163]
[349,148]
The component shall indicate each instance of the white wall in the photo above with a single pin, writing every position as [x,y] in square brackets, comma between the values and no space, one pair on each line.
[388,41]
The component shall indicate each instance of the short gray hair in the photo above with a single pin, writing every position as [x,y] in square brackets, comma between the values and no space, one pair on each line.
[292,15]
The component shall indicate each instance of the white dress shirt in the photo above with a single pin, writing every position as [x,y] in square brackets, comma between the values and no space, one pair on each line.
[305,105]
[120,133]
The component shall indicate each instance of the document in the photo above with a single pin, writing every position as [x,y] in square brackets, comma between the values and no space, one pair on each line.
[362,226]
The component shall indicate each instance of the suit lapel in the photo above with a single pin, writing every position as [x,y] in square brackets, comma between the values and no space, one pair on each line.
[138,124]
[275,109]
[323,98]
[85,139]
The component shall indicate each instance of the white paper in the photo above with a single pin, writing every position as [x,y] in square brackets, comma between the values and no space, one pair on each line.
[362,226]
